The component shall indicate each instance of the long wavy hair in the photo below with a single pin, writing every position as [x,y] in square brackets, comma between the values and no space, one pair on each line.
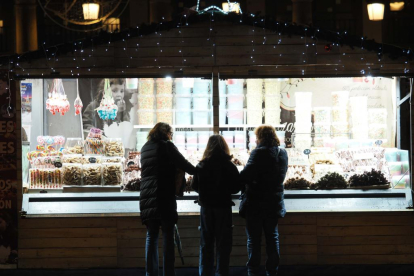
[159,132]
[216,145]
[266,136]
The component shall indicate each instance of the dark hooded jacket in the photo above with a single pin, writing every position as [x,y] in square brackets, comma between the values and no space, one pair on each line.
[263,177]
[159,163]
[215,180]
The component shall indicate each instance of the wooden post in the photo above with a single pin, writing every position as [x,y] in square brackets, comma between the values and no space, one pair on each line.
[215,79]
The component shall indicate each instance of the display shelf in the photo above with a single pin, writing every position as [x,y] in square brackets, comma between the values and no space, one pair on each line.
[175,126]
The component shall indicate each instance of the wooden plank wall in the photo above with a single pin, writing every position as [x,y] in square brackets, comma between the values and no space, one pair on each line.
[306,239]
[233,48]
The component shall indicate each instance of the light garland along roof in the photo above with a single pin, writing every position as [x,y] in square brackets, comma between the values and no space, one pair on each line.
[373,56]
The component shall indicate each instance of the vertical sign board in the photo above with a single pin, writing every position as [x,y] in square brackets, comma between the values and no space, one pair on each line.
[8,172]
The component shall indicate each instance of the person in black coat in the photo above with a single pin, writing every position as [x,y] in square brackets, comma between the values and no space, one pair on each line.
[162,165]
[215,180]
[263,177]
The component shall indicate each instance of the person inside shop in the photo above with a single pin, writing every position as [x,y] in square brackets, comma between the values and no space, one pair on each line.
[215,180]
[263,178]
[162,170]
[90,117]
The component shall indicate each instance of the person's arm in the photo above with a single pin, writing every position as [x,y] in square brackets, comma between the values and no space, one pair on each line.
[249,172]
[179,159]
[234,179]
[194,182]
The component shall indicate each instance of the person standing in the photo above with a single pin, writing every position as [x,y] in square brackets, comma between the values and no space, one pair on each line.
[215,180]
[263,176]
[160,162]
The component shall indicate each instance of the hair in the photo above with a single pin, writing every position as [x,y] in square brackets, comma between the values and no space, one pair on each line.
[101,86]
[216,146]
[266,135]
[159,132]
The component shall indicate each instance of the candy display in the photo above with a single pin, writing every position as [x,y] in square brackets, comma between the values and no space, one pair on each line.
[340,98]
[146,117]
[94,146]
[254,102]
[72,158]
[146,101]
[57,101]
[271,101]
[322,130]
[201,102]
[370,178]
[235,86]
[73,146]
[272,87]
[72,174]
[114,147]
[91,159]
[183,102]
[164,86]
[377,116]
[92,174]
[183,117]
[254,86]
[340,115]
[45,178]
[200,117]
[331,181]
[95,133]
[201,86]
[254,117]
[377,131]
[322,115]
[146,86]
[107,109]
[298,171]
[165,116]
[235,102]
[164,101]
[272,116]
[297,183]
[78,105]
[112,173]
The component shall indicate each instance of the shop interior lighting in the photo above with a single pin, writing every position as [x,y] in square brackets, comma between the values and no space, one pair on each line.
[231,7]
[90,11]
[112,24]
[396,6]
[1,26]
[375,11]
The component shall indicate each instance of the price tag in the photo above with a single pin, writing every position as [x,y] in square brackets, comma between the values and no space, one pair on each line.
[92,160]
[307,151]
[378,142]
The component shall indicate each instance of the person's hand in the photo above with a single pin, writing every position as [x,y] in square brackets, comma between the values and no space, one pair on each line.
[121,105]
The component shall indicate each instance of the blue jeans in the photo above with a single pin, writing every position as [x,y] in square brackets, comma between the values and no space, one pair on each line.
[151,247]
[255,222]
[216,226]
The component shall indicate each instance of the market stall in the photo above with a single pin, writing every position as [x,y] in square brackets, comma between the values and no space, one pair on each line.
[334,106]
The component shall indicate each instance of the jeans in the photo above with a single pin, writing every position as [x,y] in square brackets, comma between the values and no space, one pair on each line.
[216,226]
[255,223]
[151,247]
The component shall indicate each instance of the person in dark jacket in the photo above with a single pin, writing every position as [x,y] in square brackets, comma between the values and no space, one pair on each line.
[216,179]
[160,162]
[263,177]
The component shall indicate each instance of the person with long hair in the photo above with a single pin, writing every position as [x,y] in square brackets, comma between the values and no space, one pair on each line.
[161,167]
[263,177]
[215,180]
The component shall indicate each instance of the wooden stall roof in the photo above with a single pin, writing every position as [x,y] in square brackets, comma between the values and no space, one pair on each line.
[232,45]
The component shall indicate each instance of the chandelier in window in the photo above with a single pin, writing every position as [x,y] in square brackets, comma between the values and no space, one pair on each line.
[83,15]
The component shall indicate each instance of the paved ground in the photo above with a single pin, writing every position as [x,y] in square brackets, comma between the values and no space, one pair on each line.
[386,270]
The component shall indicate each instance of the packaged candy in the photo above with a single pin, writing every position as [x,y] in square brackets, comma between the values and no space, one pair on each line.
[107,109]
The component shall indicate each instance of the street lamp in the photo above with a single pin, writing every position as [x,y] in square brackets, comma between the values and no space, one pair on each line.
[375,10]
[396,6]
[90,11]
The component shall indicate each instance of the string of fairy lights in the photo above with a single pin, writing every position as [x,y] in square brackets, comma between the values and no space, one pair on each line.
[82,60]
